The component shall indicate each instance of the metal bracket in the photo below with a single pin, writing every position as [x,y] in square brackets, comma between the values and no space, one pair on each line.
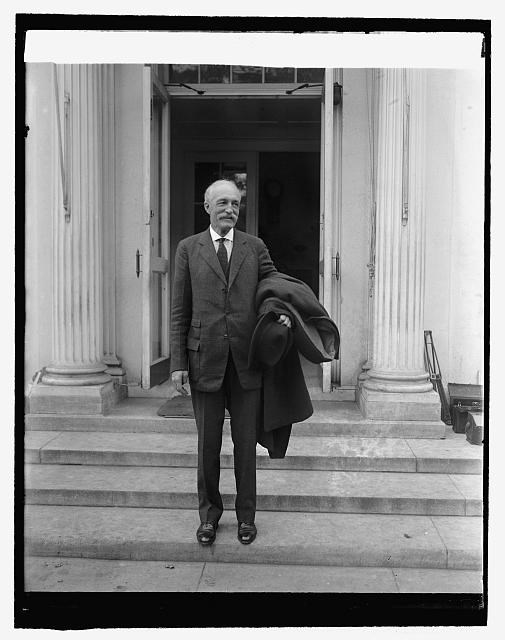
[200,92]
[337,90]
[305,85]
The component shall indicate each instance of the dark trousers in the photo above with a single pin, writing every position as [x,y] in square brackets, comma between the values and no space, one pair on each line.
[209,407]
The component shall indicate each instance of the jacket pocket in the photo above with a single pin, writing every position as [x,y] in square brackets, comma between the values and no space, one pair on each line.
[193,346]
[194,331]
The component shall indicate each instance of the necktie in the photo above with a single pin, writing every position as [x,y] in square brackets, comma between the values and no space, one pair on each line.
[222,256]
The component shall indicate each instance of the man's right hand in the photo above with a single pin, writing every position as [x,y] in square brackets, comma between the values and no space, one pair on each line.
[179,378]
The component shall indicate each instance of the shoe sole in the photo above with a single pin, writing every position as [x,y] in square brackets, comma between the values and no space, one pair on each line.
[246,541]
[206,544]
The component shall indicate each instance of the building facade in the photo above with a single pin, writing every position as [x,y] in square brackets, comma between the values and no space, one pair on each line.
[368,184]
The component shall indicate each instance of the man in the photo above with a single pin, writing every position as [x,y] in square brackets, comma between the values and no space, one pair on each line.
[213,318]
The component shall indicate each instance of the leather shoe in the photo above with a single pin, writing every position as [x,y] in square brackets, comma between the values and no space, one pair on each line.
[246,532]
[206,533]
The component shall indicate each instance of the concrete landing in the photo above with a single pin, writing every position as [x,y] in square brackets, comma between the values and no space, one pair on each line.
[83,574]
[138,415]
[343,453]
[277,490]
[322,539]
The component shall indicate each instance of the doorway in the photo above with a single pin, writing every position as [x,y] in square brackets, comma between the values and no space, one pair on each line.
[270,146]
[280,202]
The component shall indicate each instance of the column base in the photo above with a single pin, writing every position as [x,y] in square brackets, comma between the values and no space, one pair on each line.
[90,400]
[119,381]
[362,377]
[382,405]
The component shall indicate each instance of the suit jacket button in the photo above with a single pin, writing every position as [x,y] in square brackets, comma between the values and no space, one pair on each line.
[225,335]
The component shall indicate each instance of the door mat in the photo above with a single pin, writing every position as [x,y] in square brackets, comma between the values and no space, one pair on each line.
[179,407]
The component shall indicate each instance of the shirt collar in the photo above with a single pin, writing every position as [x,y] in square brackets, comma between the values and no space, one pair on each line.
[215,236]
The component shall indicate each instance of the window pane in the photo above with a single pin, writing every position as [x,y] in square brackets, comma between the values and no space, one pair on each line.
[310,75]
[183,72]
[279,74]
[247,74]
[205,173]
[156,316]
[215,73]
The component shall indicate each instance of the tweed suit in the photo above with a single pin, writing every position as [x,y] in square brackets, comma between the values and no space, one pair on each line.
[211,328]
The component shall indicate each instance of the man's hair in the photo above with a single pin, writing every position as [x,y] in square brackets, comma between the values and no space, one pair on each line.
[210,188]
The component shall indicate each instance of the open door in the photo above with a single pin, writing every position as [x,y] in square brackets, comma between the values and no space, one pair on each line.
[330,234]
[156,244]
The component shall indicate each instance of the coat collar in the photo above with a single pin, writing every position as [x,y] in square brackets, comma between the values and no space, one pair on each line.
[239,251]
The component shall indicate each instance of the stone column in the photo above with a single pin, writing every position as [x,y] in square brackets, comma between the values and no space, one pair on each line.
[76,381]
[398,386]
[110,357]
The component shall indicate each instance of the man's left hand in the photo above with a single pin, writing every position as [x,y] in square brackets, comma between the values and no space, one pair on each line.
[285,320]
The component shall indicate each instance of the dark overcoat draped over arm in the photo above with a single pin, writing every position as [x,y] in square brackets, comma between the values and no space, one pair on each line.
[285,396]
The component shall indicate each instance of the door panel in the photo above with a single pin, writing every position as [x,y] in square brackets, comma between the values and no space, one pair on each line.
[155,270]
[331,141]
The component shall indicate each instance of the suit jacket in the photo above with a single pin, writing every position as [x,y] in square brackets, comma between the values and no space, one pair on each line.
[211,316]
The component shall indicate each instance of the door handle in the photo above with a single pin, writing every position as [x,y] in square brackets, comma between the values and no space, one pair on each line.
[137,263]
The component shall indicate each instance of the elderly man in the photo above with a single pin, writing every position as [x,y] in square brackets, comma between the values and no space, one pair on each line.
[213,318]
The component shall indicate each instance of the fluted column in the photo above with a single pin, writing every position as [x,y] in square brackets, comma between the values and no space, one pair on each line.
[110,356]
[398,376]
[77,231]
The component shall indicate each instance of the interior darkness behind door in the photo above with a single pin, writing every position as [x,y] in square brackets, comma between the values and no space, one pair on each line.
[288,212]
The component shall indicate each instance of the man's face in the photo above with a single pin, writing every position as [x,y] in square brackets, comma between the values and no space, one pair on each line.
[223,207]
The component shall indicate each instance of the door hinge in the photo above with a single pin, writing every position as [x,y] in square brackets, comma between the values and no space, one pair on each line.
[337,93]
[336,262]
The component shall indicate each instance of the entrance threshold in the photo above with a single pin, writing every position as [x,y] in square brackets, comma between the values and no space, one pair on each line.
[166,390]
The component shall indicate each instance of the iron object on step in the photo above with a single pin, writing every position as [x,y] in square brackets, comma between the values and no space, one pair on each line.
[474,427]
[436,375]
[463,398]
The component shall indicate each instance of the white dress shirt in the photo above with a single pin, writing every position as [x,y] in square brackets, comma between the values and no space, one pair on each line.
[228,243]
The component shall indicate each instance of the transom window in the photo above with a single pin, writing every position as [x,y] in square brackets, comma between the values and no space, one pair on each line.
[239,74]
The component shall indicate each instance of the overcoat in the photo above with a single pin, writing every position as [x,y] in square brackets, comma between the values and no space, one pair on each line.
[285,397]
[210,316]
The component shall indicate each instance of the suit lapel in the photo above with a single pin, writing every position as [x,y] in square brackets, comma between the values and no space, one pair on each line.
[208,253]
[238,254]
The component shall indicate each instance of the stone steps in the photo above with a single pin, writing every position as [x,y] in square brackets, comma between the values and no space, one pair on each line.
[63,574]
[138,415]
[314,539]
[277,490]
[343,453]
[351,494]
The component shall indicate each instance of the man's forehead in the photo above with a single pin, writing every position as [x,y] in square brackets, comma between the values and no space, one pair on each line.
[220,189]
